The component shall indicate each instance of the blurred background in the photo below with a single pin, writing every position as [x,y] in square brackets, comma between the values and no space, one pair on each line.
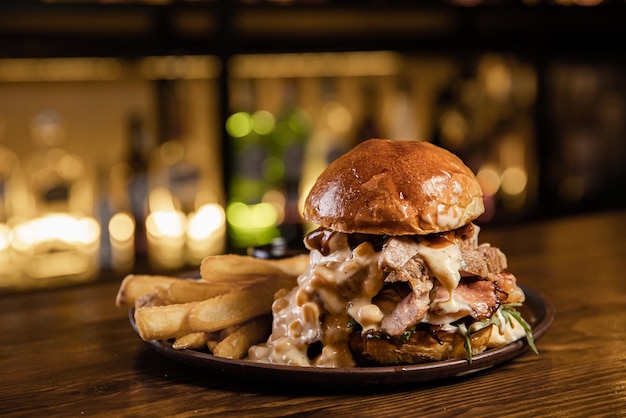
[142,136]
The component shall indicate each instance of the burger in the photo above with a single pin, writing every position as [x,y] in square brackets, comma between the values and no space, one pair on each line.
[396,273]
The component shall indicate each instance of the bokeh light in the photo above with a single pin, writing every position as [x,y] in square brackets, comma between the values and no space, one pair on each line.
[122,226]
[239,124]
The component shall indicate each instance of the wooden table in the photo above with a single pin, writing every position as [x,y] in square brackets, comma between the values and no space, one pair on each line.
[71,352]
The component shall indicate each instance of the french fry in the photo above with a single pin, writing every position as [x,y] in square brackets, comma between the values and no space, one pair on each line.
[193,341]
[234,268]
[152,299]
[236,307]
[294,266]
[163,322]
[239,339]
[211,344]
[159,294]
[135,286]
[227,310]
[183,291]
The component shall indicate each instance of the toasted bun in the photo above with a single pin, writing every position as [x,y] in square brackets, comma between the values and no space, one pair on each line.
[388,187]
[422,347]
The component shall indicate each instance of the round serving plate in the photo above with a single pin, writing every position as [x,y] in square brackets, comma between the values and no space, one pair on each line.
[537,310]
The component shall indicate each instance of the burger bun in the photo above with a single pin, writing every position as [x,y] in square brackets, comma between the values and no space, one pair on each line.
[390,187]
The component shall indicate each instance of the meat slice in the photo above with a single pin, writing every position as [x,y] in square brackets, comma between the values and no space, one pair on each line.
[396,253]
[473,264]
[495,259]
[484,261]
[478,298]
[413,268]
[410,310]
[481,296]
[506,284]
[398,259]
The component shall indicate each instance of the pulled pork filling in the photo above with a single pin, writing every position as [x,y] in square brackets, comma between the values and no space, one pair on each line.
[385,285]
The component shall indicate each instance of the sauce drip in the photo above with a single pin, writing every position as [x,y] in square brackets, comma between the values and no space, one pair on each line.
[337,288]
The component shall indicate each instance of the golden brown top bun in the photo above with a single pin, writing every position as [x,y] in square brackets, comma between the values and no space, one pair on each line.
[389,187]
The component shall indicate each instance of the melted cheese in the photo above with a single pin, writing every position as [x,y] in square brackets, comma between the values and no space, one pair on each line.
[444,262]
[338,288]
[334,289]
[506,333]
[367,314]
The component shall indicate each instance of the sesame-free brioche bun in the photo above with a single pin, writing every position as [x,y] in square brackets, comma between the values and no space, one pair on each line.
[389,187]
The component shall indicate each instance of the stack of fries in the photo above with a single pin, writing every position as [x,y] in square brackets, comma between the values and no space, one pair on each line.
[226,311]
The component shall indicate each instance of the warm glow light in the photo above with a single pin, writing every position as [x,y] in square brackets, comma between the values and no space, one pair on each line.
[122,227]
[56,246]
[514,180]
[89,231]
[346,64]
[5,237]
[160,200]
[70,166]
[62,228]
[166,227]
[305,187]
[176,67]
[337,117]
[122,240]
[489,180]
[60,69]
[497,77]
[206,232]
[205,221]
[164,219]
[453,128]
[171,152]
[166,224]
[512,150]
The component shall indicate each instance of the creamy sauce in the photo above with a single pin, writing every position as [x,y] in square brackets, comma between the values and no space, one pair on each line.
[312,322]
[506,334]
[444,261]
[334,288]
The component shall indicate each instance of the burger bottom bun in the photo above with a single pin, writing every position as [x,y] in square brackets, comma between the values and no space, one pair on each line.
[423,346]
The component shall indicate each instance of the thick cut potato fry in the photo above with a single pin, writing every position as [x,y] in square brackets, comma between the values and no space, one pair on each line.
[169,290]
[185,290]
[236,307]
[211,344]
[293,266]
[236,344]
[163,322]
[135,286]
[152,299]
[233,268]
[194,340]
[227,310]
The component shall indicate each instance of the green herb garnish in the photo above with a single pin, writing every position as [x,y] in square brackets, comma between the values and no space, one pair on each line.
[407,334]
[507,311]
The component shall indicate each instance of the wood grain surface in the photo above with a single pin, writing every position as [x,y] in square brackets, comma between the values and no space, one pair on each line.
[71,352]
